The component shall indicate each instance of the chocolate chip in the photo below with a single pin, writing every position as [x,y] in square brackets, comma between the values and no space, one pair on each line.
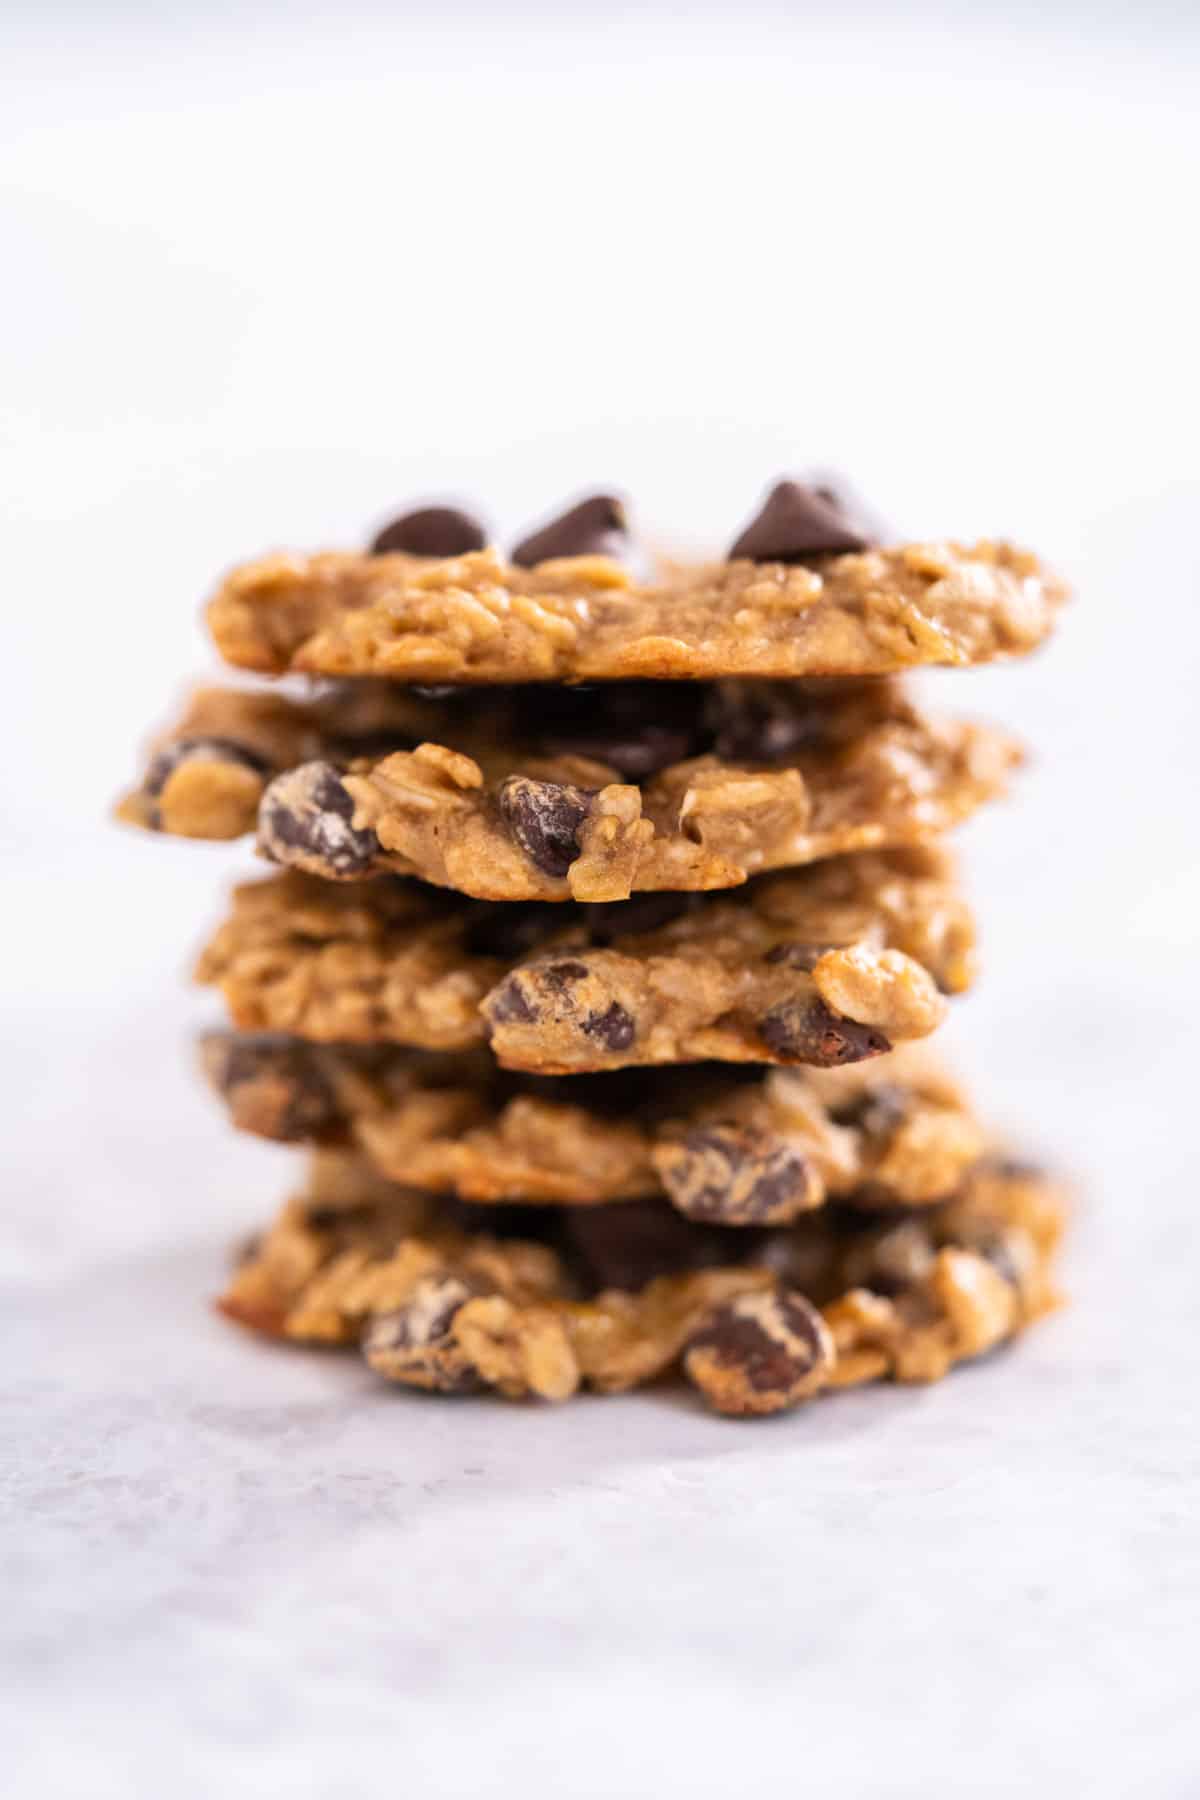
[414,1343]
[543,817]
[796,522]
[797,956]
[512,931]
[199,749]
[760,1353]
[636,758]
[304,821]
[636,728]
[877,1112]
[765,722]
[890,1261]
[738,1175]
[609,920]
[595,527]
[274,1085]
[561,975]
[806,1031]
[613,1028]
[630,1242]
[431,531]
[509,1004]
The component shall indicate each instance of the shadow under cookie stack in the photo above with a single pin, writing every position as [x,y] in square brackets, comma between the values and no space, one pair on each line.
[610,912]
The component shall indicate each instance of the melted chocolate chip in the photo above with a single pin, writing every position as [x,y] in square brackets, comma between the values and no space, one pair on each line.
[544,817]
[764,722]
[613,1028]
[636,728]
[274,1085]
[609,920]
[806,1031]
[796,522]
[509,1004]
[512,931]
[431,531]
[415,1343]
[561,975]
[628,1243]
[304,822]
[595,527]
[199,749]
[738,1175]
[760,1352]
[877,1112]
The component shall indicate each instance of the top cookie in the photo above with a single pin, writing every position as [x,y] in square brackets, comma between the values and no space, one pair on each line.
[805,591]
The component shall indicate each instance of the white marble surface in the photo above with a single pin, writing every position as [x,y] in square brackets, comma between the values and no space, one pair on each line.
[236,316]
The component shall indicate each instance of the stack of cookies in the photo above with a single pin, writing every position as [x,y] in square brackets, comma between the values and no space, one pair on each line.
[609,912]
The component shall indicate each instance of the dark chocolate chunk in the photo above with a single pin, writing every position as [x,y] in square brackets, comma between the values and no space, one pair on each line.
[760,1352]
[804,1030]
[613,1028]
[543,817]
[431,531]
[796,522]
[304,821]
[414,1343]
[595,527]
[738,1175]
[184,750]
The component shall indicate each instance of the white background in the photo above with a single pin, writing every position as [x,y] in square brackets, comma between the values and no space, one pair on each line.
[265,274]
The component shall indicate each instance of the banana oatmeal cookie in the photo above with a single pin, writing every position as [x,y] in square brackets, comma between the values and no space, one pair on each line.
[804,592]
[825,965]
[559,793]
[757,1322]
[727,1146]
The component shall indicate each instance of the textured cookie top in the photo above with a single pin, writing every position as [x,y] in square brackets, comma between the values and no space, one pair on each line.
[616,1296]
[481,618]
[553,793]
[734,1147]
[824,965]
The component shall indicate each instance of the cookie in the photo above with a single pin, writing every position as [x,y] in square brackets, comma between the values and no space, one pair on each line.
[479,618]
[825,965]
[727,1146]
[559,793]
[757,1322]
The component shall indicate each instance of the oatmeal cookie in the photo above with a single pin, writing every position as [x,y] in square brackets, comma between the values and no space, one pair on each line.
[727,1146]
[584,618]
[756,1322]
[805,591]
[825,965]
[559,793]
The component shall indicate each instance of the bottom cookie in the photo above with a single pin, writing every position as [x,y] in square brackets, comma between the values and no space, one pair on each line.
[616,1296]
